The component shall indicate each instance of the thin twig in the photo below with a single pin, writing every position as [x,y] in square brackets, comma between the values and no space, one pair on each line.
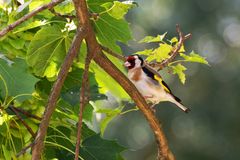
[94,16]
[28,16]
[24,150]
[55,92]
[83,19]
[27,113]
[84,99]
[117,55]
[23,122]
[174,52]
[62,15]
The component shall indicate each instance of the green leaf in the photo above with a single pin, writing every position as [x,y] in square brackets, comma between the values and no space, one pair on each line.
[9,50]
[71,88]
[145,52]
[182,49]
[104,81]
[160,53]
[86,131]
[178,69]
[96,6]
[47,51]
[66,7]
[193,57]
[17,43]
[7,153]
[4,17]
[149,39]
[119,9]
[88,113]
[96,148]
[109,115]
[17,79]
[174,40]
[109,30]
[29,25]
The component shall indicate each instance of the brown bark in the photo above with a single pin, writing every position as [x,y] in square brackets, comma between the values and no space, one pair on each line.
[55,92]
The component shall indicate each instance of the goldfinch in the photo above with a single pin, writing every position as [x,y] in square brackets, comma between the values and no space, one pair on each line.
[151,86]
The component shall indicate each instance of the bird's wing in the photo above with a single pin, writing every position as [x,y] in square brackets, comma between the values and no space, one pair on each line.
[159,81]
[156,79]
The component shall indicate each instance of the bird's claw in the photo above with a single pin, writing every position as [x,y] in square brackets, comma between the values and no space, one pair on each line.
[152,108]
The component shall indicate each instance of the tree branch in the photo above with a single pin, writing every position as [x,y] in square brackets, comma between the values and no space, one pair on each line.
[84,99]
[83,19]
[27,113]
[23,122]
[112,70]
[117,55]
[24,150]
[55,92]
[61,15]
[174,52]
[28,16]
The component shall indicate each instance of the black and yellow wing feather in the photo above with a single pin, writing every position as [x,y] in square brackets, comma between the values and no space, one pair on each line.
[160,81]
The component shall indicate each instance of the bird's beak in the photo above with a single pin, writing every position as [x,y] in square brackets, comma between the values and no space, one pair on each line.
[127,64]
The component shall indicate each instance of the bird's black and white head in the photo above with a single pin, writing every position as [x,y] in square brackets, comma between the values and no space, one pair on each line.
[133,61]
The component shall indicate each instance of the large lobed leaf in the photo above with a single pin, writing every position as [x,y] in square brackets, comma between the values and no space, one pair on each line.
[18,79]
[47,51]
[111,27]
[96,148]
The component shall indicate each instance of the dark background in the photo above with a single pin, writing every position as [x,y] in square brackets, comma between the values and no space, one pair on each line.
[212,130]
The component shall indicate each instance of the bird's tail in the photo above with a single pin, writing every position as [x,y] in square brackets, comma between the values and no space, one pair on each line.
[180,105]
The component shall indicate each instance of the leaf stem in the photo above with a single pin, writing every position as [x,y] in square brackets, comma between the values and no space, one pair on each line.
[6,89]
[130,110]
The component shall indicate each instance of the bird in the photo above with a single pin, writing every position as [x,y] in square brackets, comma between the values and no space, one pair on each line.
[151,86]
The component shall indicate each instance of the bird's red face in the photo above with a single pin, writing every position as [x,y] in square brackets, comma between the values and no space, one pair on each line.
[130,62]
[133,61]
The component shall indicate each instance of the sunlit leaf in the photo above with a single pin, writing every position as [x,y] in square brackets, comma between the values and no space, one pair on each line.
[109,115]
[182,49]
[103,80]
[29,25]
[47,47]
[145,52]
[97,6]
[174,40]
[6,152]
[149,39]
[160,53]
[179,70]
[119,9]
[193,57]
[66,7]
